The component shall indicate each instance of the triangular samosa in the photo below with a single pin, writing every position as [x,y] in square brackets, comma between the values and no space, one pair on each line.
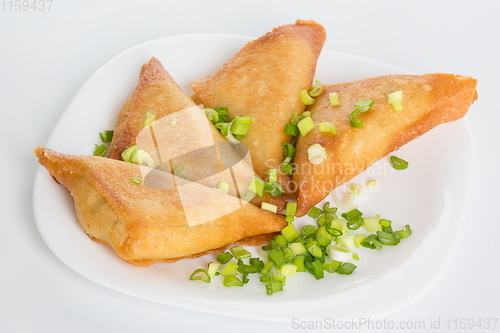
[145,224]
[180,131]
[263,81]
[427,101]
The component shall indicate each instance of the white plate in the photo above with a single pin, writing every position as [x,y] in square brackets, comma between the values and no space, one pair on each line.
[431,195]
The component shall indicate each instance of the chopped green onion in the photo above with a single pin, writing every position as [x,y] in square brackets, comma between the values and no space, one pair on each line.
[265,278]
[363,105]
[239,252]
[346,268]
[354,119]
[328,127]
[136,180]
[106,136]
[332,266]
[224,257]
[387,238]
[358,239]
[177,171]
[334,98]
[232,281]
[257,186]
[403,234]
[274,188]
[290,233]
[281,241]
[286,167]
[288,150]
[150,119]
[100,150]
[127,153]
[223,187]
[272,175]
[313,248]
[200,274]
[372,183]
[323,237]
[299,262]
[397,106]
[316,153]
[297,248]
[212,115]
[223,128]
[292,130]
[372,224]
[314,212]
[288,270]
[316,89]
[270,207]
[290,211]
[316,269]
[398,163]
[248,269]
[372,242]
[231,268]
[241,125]
[276,256]
[212,269]
[355,256]
[395,97]
[306,98]
[305,125]
[273,287]
[267,268]
[139,156]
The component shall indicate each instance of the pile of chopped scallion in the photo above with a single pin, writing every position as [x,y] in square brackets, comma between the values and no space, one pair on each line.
[325,247]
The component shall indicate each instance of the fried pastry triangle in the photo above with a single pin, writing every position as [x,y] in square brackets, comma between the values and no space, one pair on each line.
[263,81]
[428,100]
[143,224]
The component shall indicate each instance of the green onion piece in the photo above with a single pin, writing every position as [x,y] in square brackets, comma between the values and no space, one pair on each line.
[136,180]
[232,281]
[274,189]
[358,239]
[299,262]
[149,119]
[387,238]
[328,127]
[323,237]
[354,119]
[272,175]
[223,114]
[306,98]
[294,119]
[372,183]
[297,248]
[257,186]
[231,268]
[314,212]
[398,163]
[177,171]
[305,125]
[224,257]
[316,89]
[278,276]
[223,186]
[239,252]
[267,268]
[212,269]
[372,242]
[248,269]
[291,208]
[288,270]
[100,150]
[280,241]
[403,234]
[287,254]
[355,256]
[395,97]
[276,256]
[241,125]
[334,98]
[127,153]
[292,130]
[286,167]
[316,269]
[273,287]
[397,106]
[139,156]
[372,224]
[270,207]
[308,230]
[106,136]
[354,219]
[386,225]
[288,149]
[223,128]
[200,274]
[363,105]
[332,266]
[316,153]
[346,268]
[313,248]
[290,233]
[265,278]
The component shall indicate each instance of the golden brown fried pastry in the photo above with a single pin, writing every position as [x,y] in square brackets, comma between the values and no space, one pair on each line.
[428,100]
[263,81]
[144,223]
[181,137]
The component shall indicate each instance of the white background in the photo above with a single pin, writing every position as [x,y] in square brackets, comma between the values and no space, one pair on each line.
[45,57]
